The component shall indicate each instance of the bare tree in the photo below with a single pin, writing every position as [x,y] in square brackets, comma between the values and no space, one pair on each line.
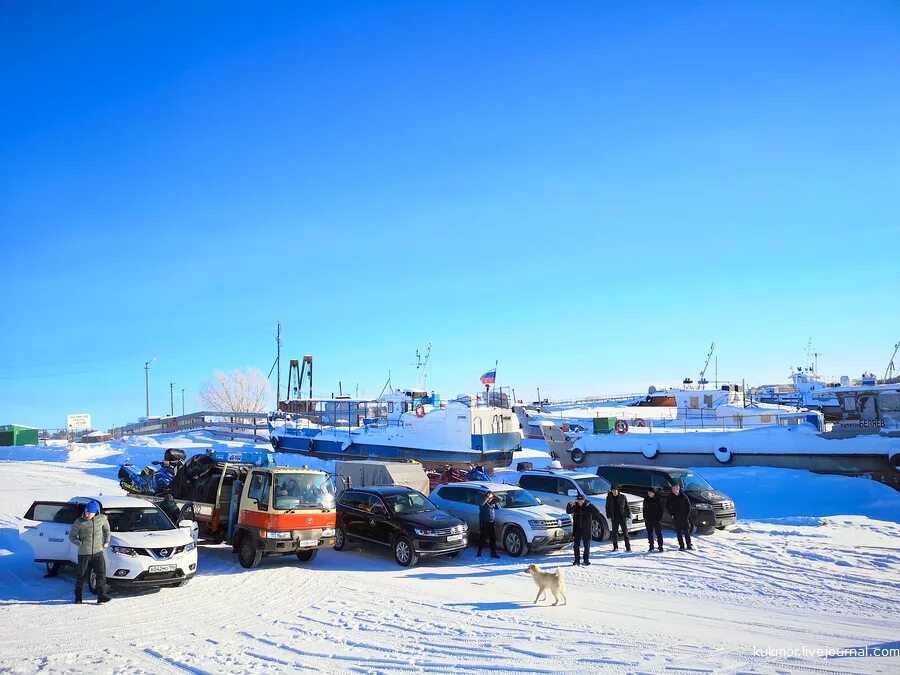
[237,391]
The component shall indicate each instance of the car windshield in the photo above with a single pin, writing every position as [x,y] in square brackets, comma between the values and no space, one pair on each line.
[412,502]
[515,499]
[303,491]
[144,519]
[593,485]
[691,481]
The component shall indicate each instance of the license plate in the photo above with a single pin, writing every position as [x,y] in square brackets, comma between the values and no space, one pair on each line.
[309,543]
[727,521]
[161,568]
[454,537]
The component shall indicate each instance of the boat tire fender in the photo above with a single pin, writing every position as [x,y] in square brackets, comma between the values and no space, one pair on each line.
[577,455]
[420,411]
[650,449]
[724,455]
[621,427]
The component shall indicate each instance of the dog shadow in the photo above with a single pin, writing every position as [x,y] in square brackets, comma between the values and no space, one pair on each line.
[491,606]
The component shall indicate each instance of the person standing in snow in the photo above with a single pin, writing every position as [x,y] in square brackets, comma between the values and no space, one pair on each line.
[618,511]
[91,533]
[653,513]
[583,514]
[679,507]
[487,517]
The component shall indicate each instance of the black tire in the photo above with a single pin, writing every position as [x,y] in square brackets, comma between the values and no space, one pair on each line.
[308,555]
[248,555]
[577,455]
[514,541]
[405,552]
[599,529]
[92,581]
[340,538]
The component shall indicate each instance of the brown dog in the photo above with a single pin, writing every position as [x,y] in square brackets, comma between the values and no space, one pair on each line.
[555,582]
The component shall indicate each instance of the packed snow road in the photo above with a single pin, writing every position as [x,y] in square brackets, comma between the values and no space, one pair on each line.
[762,597]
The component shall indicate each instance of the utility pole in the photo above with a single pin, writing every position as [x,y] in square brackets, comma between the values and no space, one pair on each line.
[147,383]
[182,402]
[278,366]
[172,399]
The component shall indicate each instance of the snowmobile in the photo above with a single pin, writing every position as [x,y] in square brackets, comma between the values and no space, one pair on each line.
[154,479]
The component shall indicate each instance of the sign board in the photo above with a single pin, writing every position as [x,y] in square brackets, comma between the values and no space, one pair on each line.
[78,422]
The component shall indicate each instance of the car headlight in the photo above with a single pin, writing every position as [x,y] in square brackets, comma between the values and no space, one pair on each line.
[327,531]
[190,547]
[702,506]
[270,534]
[423,532]
[125,550]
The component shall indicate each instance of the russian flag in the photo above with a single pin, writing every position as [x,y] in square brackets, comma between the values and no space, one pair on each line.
[489,377]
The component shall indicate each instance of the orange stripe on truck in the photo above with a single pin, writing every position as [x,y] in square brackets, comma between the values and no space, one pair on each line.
[287,521]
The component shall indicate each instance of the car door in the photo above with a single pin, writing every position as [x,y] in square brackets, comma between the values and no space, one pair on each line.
[540,486]
[187,513]
[350,514]
[379,521]
[45,528]
[558,491]
[468,509]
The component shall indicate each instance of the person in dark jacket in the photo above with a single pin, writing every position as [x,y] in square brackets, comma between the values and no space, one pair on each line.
[583,513]
[487,516]
[653,513]
[170,508]
[91,534]
[618,511]
[679,507]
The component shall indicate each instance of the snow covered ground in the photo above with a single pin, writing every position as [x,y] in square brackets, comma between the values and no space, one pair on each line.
[796,575]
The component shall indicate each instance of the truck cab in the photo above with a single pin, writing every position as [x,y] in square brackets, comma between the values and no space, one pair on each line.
[279,511]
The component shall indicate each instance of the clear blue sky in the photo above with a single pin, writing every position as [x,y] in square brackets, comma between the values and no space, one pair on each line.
[589,193]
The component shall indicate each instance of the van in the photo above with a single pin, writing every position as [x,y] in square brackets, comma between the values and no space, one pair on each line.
[710,508]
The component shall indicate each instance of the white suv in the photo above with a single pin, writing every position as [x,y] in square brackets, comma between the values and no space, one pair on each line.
[522,522]
[559,487]
[145,548]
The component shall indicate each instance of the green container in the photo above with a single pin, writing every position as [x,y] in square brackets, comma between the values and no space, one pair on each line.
[604,425]
[13,434]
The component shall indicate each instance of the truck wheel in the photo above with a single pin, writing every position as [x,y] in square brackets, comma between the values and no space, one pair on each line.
[599,530]
[405,552]
[514,542]
[308,555]
[248,555]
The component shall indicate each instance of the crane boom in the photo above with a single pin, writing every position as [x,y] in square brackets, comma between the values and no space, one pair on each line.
[889,371]
[702,381]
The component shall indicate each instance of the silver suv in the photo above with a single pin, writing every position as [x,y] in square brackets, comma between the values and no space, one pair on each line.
[522,523]
[559,487]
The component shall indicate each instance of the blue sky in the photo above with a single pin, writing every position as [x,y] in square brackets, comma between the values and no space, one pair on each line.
[589,193]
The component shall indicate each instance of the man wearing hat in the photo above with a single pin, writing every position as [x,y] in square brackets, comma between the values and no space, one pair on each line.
[91,533]
[583,514]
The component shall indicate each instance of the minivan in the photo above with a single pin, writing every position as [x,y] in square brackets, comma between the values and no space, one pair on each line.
[710,508]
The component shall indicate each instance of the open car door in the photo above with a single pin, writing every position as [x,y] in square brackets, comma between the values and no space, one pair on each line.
[45,528]
[187,513]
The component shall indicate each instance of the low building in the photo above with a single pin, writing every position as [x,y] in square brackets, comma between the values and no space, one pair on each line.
[16,434]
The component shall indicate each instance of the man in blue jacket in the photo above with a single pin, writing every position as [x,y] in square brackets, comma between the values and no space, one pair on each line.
[91,534]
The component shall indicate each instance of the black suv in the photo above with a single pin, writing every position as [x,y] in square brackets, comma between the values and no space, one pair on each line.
[401,518]
[709,508]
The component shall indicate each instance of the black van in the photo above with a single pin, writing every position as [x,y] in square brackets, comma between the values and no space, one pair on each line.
[710,508]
